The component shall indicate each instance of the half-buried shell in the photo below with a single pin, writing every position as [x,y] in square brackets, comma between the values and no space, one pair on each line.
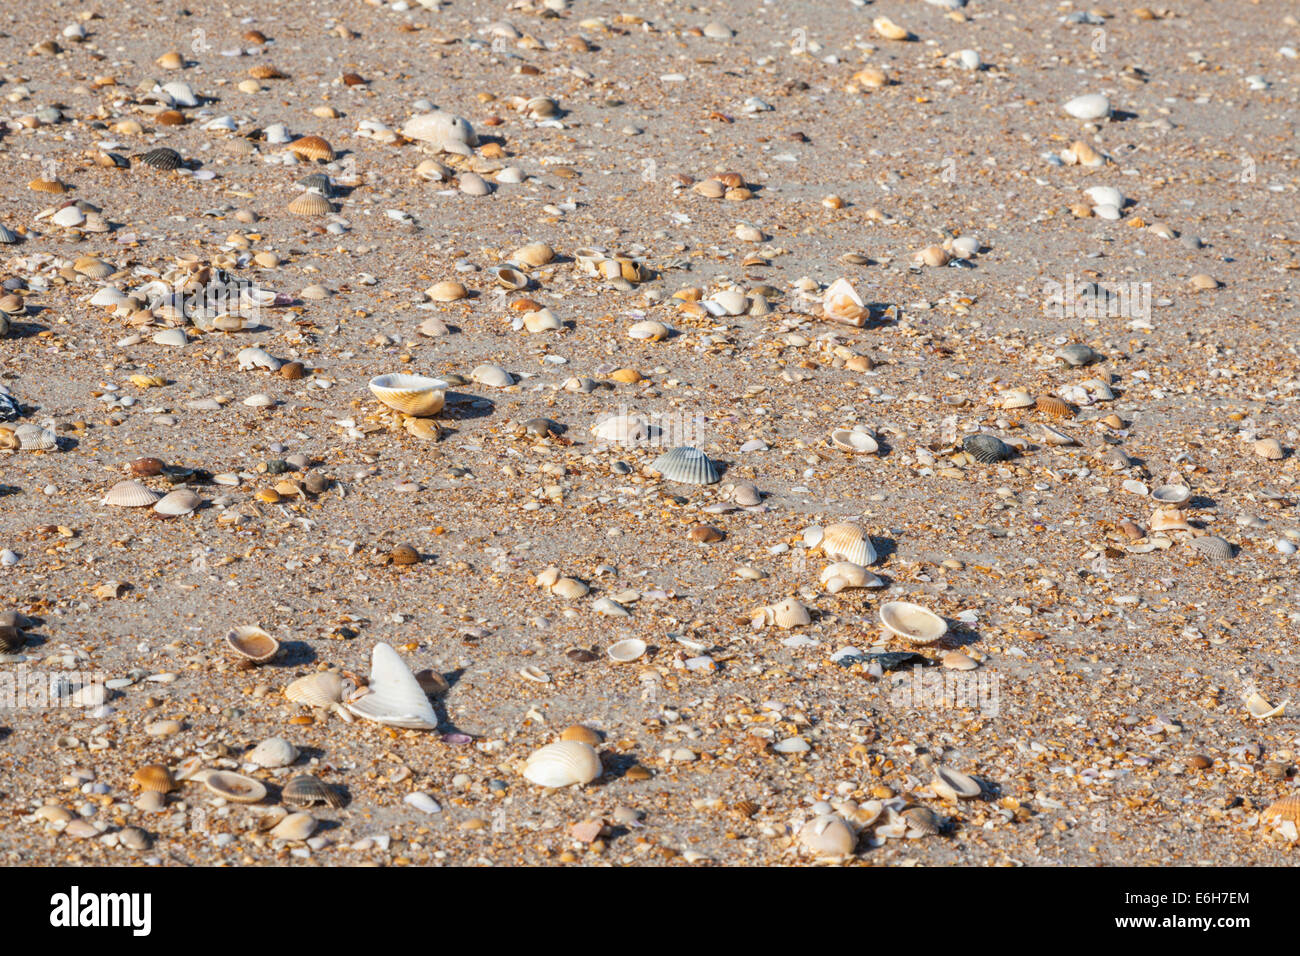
[854,441]
[310,203]
[307,790]
[162,158]
[322,689]
[686,465]
[1212,547]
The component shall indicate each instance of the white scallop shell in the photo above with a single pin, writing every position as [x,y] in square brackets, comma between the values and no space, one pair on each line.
[410,394]
[395,696]
[271,753]
[322,689]
[848,542]
[130,494]
[176,338]
[35,438]
[563,764]
[912,622]
[626,651]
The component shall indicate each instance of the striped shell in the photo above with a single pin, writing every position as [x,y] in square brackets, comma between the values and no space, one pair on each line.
[1054,407]
[252,643]
[986,448]
[686,465]
[322,689]
[563,764]
[11,638]
[310,203]
[923,820]
[318,182]
[1212,547]
[162,158]
[410,394]
[8,236]
[154,777]
[235,787]
[307,790]
[130,494]
[847,542]
[182,501]
[1286,809]
[912,622]
[35,438]
[313,148]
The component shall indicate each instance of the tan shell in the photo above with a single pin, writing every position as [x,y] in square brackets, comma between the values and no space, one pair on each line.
[130,494]
[570,589]
[1285,809]
[563,764]
[410,394]
[235,787]
[252,643]
[933,256]
[306,790]
[854,441]
[313,148]
[310,203]
[1269,448]
[154,777]
[1169,519]
[841,303]
[912,622]
[296,827]
[533,255]
[448,291]
[544,320]
[848,542]
[787,614]
[1054,407]
[322,689]
[827,836]
[890,30]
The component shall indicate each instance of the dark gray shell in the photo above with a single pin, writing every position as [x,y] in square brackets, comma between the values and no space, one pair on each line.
[11,638]
[986,448]
[686,465]
[10,410]
[7,236]
[1212,547]
[307,790]
[162,158]
[319,182]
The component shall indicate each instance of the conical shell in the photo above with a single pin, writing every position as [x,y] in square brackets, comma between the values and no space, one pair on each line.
[310,203]
[1212,547]
[912,622]
[563,764]
[395,696]
[411,394]
[827,836]
[322,689]
[252,643]
[272,753]
[130,494]
[162,158]
[235,787]
[986,448]
[686,465]
[848,542]
[182,501]
[154,777]
[307,790]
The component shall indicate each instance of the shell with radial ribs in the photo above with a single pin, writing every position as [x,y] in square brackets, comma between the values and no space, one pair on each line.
[154,777]
[313,148]
[307,790]
[566,763]
[785,615]
[322,689]
[35,438]
[847,542]
[393,697]
[985,448]
[1054,407]
[310,203]
[686,465]
[1212,547]
[130,494]
[162,158]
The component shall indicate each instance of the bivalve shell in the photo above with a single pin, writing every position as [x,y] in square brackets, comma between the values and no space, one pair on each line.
[35,438]
[310,203]
[394,696]
[912,622]
[493,376]
[563,764]
[130,494]
[845,574]
[627,651]
[295,828]
[686,465]
[182,501]
[854,441]
[1212,547]
[162,158]
[410,394]
[154,777]
[307,790]
[322,689]
[252,643]
[273,752]
[986,448]
[847,542]
[828,836]
[234,787]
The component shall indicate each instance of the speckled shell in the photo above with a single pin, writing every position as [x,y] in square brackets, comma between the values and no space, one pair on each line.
[411,394]
[252,643]
[686,465]
[563,764]
[307,790]
[235,787]
[912,622]
[847,542]
[130,494]
[986,448]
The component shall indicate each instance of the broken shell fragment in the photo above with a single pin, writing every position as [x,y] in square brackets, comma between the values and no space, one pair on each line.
[393,697]
[845,574]
[827,836]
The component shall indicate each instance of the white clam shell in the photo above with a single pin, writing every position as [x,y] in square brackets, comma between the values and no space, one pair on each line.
[271,753]
[563,764]
[857,442]
[493,376]
[625,429]
[182,501]
[1090,106]
[235,787]
[295,827]
[394,696]
[912,622]
[322,689]
[446,131]
[627,651]
[411,394]
[827,835]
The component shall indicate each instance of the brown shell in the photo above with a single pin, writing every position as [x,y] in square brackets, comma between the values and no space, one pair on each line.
[47,186]
[154,777]
[310,203]
[171,118]
[146,467]
[1054,407]
[265,71]
[404,554]
[584,734]
[312,147]
[307,790]
[1288,808]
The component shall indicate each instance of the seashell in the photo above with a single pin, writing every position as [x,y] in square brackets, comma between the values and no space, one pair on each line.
[933,256]
[845,574]
[147,467]
[493,376]
[649,330]
[1090,106]
[964,247]
[986,448]
[625,429]
[410,394]
[1105,196]
[912,622]
[535,674]
[47,186]
[446,291]
[307,790]
[626,651]
[686,465]
[1169,519]
[322,689]
[1212,547]
[890,30]
[433,327]
[1172,496]
[841,303]
[434,171]
[394,697]
[1077,355]
[432,683]
[1015,398]
[265,71]
[570,589]
[252,644]
[847,542]
[787,614]
[1269,448]
[923,820]
[272,753]
[851,440]
[1259,707]
[533,255]
[1054,436]
[310,203]
[729,302]
[254,357]
[312,148]
[953,784]
[259,400]
[174,338]
[154,778]
[11,639]
[296,827]
[1285,810]
[873,78]
[1203,281]
[828,836]
[445,131]
[1053,406]
[511,279]
[234,787]
[162,158]
[472,184]
[543,321]
[8,236]
[130,494]
[35,438]
[182,501]
[563,764]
